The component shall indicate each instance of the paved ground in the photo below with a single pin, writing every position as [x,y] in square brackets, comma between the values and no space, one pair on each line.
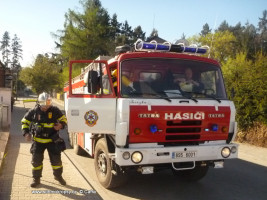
[243,178]
[15,173]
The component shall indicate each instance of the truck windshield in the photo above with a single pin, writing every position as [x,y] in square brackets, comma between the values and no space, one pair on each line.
[171,78]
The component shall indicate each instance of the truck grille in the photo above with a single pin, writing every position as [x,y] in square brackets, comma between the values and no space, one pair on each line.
[183,130]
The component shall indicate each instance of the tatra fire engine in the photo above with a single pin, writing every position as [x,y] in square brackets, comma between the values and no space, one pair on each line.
[159,106]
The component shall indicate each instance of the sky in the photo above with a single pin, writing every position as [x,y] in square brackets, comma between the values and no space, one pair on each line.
[33,21]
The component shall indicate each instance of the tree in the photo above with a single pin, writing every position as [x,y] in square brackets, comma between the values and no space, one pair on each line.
[263,31]
[205,30]
[222,45]
[16,53]
[138,34]
[126,36]
[153,33]
[85,35]
[115,27]
[248,80]
[223,27]
[43,75]
[5,48]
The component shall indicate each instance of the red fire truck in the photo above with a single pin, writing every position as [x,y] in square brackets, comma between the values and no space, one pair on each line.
[159,106]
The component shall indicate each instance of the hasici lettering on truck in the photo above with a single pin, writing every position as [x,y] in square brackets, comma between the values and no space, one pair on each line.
[157,107]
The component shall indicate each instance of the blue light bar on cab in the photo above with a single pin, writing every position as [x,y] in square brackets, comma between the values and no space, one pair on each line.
[152,46]
[166,46]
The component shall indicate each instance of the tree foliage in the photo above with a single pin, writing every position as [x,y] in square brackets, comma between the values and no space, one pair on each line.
[16,53]
[248,80]
[205,30]
[43,75]
[242,51]
[11,51]
[5,48]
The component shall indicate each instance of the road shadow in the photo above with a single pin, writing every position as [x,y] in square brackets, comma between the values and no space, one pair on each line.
[238,180]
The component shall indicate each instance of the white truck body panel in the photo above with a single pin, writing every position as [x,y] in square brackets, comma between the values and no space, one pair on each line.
[105,109]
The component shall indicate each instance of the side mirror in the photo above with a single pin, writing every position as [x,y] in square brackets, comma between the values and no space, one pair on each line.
[92,82]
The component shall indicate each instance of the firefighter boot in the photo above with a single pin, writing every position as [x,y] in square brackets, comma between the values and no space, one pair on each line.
[60,180]
[35,182]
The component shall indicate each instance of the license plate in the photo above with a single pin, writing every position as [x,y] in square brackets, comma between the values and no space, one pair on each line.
[185,154]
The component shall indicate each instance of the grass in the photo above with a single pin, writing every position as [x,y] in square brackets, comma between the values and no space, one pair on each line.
[256,135]
[29,100]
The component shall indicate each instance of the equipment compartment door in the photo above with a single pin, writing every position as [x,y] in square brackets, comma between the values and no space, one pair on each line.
[91,115]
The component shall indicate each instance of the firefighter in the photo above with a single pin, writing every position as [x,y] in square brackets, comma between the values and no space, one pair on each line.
[42,124]
[127,85]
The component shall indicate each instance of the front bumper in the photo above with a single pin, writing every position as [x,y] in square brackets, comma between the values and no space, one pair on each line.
[159,155]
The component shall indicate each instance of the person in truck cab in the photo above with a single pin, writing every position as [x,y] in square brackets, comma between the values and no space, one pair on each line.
[126,86]
[187,84]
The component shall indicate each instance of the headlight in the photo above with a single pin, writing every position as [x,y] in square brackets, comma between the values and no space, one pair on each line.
[126,155]
[137,157]
[226,152]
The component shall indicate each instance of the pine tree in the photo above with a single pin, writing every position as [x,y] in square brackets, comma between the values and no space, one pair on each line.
[5,48]
[138,34]
[205,30]
[224,26]
[115,27]
[16,53]
[263,31]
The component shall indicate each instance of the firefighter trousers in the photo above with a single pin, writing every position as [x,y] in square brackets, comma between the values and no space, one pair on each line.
[37,151]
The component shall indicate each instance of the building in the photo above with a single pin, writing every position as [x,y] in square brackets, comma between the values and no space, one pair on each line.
[5,97]
[2,75]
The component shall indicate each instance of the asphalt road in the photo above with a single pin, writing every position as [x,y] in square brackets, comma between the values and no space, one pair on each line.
[244,178]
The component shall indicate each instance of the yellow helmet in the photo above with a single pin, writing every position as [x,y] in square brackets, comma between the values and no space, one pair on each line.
[114,73]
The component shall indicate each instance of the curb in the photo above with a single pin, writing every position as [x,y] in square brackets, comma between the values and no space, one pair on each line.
[4,136]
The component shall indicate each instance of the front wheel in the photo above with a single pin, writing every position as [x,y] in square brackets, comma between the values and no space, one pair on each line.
[191,175]
[104,167]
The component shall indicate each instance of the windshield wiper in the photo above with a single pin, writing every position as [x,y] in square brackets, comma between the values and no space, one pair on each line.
[209,96]
[152,94]
[189,97]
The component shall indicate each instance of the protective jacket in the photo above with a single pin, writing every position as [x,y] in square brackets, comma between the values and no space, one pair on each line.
[41,124]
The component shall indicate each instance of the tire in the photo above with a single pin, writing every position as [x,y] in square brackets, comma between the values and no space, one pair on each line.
[191,175]
[104,167]
[76,148]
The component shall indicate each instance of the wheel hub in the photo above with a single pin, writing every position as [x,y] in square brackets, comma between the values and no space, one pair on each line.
[102,163]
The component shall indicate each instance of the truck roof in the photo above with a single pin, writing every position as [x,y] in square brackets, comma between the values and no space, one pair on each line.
[132,55]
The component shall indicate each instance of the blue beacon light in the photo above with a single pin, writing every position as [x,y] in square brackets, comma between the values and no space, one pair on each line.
[153,128]
[166,46]
[214,127]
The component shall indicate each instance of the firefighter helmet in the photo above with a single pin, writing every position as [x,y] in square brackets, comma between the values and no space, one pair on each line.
[45,99]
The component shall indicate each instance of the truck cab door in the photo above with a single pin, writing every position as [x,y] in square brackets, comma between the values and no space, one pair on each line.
[89,107]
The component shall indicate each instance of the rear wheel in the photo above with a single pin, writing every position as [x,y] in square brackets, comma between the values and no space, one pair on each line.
[108,173]
[191,175]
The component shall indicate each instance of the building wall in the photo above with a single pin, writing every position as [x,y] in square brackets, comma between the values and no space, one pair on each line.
[5,103]
[2,77]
